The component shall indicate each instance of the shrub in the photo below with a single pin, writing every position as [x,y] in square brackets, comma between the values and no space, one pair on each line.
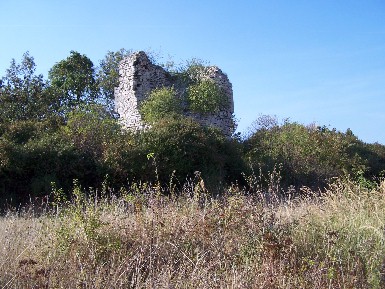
[205,96]
[33,154]
[28,169]
[91,128]
[309,155]
[162,102]
[185,146]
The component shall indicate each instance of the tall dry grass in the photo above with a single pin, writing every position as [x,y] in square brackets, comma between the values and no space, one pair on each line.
[143,239]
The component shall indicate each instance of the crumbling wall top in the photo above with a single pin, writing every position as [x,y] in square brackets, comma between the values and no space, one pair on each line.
[139,76]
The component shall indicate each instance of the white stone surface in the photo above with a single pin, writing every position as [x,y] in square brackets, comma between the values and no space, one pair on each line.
[139,76]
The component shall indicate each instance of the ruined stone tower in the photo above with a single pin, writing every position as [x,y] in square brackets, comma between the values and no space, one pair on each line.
[139,76]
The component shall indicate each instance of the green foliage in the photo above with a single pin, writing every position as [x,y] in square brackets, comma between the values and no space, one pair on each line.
[108,75]
[54,132]
[23,94]
[205,97]
[73,79]
[193,148]
[21,132]
[81,229]
[372,158]
[91,128]
[33,154]
[201,96]
[346,229]
[309,155]
[29,167]
[187,73]
[194,68]
[161,103]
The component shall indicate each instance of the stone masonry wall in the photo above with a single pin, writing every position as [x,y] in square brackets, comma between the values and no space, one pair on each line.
[139,76]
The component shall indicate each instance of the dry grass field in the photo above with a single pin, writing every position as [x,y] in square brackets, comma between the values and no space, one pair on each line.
[143,239]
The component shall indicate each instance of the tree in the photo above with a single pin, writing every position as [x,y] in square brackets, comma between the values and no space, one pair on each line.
[108,75]
[74,80]
[23,94]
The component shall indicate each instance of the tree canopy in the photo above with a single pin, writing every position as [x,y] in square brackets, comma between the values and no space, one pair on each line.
[23,94]
[73,79]
[63,128]
[108,74]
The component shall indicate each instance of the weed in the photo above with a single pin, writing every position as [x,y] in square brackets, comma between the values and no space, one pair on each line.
[192,239]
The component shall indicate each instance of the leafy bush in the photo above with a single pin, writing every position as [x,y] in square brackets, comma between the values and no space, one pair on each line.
[161,103]
[52,131]
[29,168]
[187,73]
[185,146]
[33,153]
[372,158]
[195,94]
[91,128]
[309,155]
[205,96]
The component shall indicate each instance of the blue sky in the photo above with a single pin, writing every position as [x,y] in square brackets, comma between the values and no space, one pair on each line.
[310,61]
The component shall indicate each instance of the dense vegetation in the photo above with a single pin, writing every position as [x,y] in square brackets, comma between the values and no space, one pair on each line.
[60,129]
[177,205]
